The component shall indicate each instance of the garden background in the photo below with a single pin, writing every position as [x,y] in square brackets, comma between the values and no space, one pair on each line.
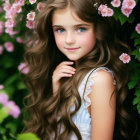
[16,17]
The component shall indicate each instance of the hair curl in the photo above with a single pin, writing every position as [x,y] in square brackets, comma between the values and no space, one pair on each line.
[44,56]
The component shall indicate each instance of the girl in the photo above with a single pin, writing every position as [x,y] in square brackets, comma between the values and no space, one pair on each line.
[77,82]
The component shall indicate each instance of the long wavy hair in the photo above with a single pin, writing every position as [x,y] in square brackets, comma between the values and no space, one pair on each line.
[47,114]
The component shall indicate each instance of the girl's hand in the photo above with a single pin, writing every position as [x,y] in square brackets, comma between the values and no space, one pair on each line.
[62,70]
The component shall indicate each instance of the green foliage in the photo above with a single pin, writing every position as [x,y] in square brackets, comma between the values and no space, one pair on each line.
[27,136]
[3,114]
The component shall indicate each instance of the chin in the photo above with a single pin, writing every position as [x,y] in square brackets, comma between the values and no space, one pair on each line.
[72,59]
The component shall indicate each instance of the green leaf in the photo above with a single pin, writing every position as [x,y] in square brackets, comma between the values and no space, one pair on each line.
[3,114]
[136,101]
[132,84]
[27,136]
[117,13]
[27,2]
[137,41]
[131,19]
[138,107]
[7,61]
[12,126]
[11,79]
[21,86]
[136,53]
[137,93]
[134,35]
[122,18]
[2,130]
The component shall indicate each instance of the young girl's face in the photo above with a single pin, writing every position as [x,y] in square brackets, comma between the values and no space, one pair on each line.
[74,37]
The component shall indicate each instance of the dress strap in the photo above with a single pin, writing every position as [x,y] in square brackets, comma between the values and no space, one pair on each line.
[87,80]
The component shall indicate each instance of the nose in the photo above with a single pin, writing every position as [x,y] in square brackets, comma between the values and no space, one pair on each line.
[70,38]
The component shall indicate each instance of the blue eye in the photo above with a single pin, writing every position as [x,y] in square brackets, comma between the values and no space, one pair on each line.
[60,30]
[81,29]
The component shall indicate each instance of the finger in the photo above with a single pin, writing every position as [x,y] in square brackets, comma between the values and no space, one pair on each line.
[66,63]
[67,71]
[65,75]
[67,67]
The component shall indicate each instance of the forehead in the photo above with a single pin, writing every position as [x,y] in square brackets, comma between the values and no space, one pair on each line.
[66,17]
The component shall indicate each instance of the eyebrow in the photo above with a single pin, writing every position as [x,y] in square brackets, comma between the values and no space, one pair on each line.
[77,25]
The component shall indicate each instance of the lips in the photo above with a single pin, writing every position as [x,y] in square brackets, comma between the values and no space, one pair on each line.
[72,49]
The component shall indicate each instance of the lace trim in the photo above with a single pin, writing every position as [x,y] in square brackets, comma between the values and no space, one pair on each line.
[90,83]
[85,131]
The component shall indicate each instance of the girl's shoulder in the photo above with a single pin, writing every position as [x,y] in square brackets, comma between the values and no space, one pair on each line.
[100,76]
[101,73]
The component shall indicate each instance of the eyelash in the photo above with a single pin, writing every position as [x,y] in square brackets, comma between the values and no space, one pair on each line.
[61,29]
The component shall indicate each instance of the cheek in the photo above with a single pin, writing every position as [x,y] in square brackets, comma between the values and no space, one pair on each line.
[88,40]
[59,41]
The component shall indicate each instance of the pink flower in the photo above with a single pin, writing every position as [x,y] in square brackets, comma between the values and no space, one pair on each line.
[10,31]
[116,3]
[7,6]
[129,4]
[13,109]
[1,24]
[23,68]
[125,58]
[9,46]
[19,40]
[20,2]
[32,1]
[30,24]
[137,28]
[40,6]
[10,14]
[10,23]
[1,49]
[3,99]
[31,16]
[17,7]
[105,11]
[126,11]
[1,87]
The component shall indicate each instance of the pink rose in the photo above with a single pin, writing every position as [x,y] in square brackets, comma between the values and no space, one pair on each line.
[129,4]
[19,40]
[125,58]
[40,6]
[9,46]
[17,7]
[7,6]
[31,16]
[137,28]
[23,68]
[30,24]
[116,3]
[32,1]
[126,11]
[10,23]
[10,31]
[105,11]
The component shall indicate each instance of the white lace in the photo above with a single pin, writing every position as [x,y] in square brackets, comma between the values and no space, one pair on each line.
[90,83]
[85,131]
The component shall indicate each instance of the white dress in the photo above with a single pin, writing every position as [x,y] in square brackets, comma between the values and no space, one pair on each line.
[82,118]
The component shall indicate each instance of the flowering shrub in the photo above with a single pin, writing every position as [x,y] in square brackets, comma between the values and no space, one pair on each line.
[17,16]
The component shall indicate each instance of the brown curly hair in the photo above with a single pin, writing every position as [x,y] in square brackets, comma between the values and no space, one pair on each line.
[43,56]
